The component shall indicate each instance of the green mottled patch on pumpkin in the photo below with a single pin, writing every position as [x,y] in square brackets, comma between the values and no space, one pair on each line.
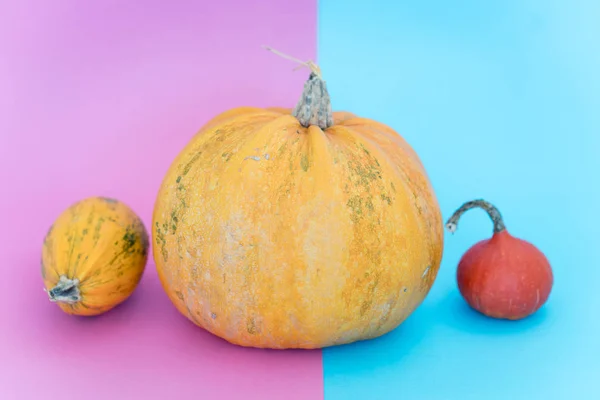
[356,205]
[386,198]
[251,326]
[129,240]
[304,162]
[91,216]
[77,260]
[190,163]
[97,228]
[109,200]
[227,156]
[364,149]
[161,242]
[143,234]
[174,220]
[364,174]
[282,149]
[371,287]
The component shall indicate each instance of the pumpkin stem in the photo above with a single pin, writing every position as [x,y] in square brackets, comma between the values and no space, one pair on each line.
[65,291]
[314,106]
[492,211]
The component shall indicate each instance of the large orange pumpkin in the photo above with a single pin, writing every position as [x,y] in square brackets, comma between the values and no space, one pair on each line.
[301,228]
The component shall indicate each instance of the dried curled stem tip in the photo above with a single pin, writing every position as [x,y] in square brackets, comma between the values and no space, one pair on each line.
[314,68]
[451,226]
[65,291]
[492,212]
[314,106]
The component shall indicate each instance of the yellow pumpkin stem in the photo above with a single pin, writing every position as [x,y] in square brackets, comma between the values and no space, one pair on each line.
[314,106]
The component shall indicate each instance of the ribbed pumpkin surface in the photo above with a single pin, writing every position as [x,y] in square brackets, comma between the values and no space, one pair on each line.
[270,234]
[94,256]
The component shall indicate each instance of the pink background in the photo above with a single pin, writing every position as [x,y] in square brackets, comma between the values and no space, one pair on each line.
[96,98]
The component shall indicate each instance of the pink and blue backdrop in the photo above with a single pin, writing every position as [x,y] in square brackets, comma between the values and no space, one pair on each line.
[500,99]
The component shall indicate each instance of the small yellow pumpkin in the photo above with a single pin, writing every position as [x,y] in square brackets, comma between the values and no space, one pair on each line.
[302,228]
[94,256]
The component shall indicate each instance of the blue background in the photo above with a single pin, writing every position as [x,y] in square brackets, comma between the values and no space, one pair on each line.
[501,99]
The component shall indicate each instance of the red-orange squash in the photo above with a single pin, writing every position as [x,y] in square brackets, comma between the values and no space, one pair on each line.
[301,228]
